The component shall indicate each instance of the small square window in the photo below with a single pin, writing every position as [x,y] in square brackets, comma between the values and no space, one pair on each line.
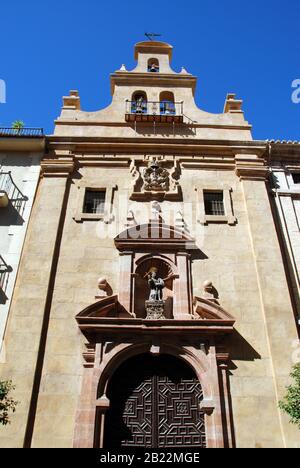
[296,178]
[94,201]
[214,203]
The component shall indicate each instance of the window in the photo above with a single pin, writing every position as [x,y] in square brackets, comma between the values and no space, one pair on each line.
[139,103]
[214,203]
[153,65]
[296,178]
[167,104]
[94,202]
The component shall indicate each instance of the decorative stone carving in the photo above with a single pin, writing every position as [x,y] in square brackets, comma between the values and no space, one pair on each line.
[156,182]
[175,176]
[130,220]
[179,221]
[155,211]
[137,182]
[209,292]
[156,178]
[155,310]
[104,288]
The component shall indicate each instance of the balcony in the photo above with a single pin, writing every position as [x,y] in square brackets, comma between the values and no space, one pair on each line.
[22,132]
[9,192]
[151,111]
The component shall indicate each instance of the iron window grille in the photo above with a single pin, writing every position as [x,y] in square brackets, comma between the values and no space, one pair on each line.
[214,203]
[94,202]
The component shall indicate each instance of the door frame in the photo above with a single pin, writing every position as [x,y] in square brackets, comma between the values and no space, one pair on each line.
[146,369]
[102,358]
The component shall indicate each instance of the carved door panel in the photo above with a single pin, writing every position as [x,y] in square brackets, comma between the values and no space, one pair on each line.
[179,420]
[155,402]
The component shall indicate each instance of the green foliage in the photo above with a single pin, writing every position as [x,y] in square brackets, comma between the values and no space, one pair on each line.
[291,403]
[7,404]
[18,125]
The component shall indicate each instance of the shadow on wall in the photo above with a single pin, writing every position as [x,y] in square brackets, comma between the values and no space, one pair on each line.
[3,297]
[164,130]
[12,215]
[240,349]
[274,182]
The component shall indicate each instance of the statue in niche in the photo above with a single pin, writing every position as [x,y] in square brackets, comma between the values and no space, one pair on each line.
[156,286]
[156,178]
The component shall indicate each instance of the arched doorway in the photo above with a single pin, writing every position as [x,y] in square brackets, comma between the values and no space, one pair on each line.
[154,403]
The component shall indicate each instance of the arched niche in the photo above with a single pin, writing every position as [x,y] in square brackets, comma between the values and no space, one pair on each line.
[139,102]
[153,65]
[171,245]
[167,103]
[166,270]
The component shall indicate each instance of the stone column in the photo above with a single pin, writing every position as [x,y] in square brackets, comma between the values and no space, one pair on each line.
[227,416]
[26,332]
[274,292]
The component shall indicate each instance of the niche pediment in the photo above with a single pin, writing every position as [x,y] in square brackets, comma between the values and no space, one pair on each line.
[208,310]
[152,235]
[108,316]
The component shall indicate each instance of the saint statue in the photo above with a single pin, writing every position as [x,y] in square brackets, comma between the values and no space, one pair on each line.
[156,286]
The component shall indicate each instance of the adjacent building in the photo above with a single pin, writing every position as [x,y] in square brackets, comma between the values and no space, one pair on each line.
[153,305]
[21,151]
[285,186]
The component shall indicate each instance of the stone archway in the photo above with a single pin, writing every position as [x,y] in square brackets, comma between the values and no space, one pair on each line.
[154,403]
[114,337]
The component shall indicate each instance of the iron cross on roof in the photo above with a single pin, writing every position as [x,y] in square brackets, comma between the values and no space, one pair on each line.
[151,36]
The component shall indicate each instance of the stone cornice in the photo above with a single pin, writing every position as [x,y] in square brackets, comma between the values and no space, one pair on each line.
[23,145]
[251,167]
[57,167]
[252,173]
[158,145]
[147,79]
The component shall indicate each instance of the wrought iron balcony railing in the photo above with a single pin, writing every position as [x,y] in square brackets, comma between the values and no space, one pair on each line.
[143,111]
[21,132]
[9,192]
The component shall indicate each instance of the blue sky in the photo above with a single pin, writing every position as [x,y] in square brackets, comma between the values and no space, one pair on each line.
[251,48]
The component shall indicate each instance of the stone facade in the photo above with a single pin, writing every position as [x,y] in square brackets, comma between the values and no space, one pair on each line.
[150,160]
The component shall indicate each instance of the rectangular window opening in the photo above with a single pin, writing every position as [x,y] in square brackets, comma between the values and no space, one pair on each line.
[214,203]
[94,202]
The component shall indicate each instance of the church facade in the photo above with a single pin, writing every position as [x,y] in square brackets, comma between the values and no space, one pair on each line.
[153,306]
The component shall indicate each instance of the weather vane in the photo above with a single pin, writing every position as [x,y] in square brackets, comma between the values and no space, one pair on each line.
[151,36]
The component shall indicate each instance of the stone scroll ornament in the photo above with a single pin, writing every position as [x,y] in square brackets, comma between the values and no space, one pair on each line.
[155,305]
